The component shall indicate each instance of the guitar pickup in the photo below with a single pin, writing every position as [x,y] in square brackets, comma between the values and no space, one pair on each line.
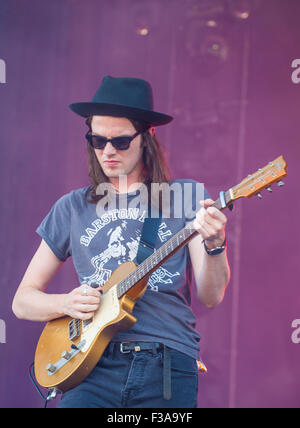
[74,329]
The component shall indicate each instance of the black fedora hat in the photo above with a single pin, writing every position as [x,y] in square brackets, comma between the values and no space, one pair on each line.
[123,97]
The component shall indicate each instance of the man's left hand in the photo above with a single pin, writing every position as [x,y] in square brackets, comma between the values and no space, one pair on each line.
[210,223]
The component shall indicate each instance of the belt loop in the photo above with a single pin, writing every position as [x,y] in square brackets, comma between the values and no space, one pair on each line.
[167,388]
[154,348]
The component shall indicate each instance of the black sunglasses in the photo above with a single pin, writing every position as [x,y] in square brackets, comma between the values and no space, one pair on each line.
[119,143]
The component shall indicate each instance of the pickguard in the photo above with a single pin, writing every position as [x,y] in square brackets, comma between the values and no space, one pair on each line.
[108,310]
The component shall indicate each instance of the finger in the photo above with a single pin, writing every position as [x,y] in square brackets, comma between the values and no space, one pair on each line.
[99,289]
[217,214]
[83,315]
[206,202]
[203,217]
[89,300]
[209,229]
[201,229]
[87,290]
[86,308]
[83,290]
[212,211]
[213,222]
[79,300]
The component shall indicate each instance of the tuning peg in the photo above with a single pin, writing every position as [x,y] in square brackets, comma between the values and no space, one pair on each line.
[280,183]
[259,195]
[269,189]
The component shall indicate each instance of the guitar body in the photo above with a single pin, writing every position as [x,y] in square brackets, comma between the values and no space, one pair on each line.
[69,349]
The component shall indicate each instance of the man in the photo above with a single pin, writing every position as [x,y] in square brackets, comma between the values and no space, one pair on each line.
[133,371]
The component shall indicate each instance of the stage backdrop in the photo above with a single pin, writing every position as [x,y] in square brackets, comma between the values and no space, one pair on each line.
[224,71]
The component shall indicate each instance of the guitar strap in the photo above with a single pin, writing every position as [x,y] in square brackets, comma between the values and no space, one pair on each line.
[148,238]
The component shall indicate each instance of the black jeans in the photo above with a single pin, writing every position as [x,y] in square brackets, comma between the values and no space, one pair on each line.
[135,380]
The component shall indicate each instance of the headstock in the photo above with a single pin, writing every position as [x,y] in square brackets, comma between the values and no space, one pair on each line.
[262,179]
[254,183]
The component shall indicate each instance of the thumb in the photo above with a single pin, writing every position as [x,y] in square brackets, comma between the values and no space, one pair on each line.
[206,202]
[97,287]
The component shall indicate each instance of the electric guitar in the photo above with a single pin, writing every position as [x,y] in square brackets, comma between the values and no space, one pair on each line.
[69,349]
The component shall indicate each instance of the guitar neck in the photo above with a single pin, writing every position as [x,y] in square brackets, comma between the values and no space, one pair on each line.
[159,256]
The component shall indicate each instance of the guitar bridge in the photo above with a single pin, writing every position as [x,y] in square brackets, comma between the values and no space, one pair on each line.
[66,357]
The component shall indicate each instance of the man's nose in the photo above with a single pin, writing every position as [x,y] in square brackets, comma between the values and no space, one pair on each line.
[109,149]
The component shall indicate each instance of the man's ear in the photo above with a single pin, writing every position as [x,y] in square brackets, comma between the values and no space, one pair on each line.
[151,131]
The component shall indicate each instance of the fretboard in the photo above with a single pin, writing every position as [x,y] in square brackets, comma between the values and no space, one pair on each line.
[157,258]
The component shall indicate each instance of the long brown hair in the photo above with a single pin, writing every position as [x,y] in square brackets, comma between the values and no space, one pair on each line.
[155,170]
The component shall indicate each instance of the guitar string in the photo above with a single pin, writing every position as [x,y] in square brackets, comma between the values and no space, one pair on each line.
[145,267]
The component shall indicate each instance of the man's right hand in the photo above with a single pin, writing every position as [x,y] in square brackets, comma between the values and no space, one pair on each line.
[82,302]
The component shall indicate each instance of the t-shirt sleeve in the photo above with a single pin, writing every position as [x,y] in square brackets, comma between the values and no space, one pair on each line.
[55,228]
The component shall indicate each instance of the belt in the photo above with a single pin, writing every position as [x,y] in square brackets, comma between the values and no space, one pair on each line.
[127,347]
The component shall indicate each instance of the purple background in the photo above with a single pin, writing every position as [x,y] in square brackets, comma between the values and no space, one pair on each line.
[229,87]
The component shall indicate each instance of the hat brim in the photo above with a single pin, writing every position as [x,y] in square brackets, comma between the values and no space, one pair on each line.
[103,109]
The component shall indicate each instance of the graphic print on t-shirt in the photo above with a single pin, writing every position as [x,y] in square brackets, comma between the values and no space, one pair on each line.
[116,249]
[121,248]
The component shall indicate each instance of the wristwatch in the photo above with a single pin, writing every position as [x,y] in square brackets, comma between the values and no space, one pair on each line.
[217,250]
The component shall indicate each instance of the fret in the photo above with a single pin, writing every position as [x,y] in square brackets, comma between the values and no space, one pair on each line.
[143,271]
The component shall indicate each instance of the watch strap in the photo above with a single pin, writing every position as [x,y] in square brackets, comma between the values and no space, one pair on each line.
[217,250]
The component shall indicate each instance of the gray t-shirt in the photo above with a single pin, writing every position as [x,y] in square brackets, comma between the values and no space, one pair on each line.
[99,239]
